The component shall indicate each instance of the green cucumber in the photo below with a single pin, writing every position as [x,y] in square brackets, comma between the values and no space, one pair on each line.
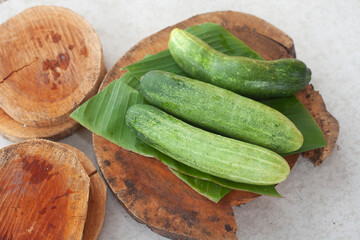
[220,111]
[207,152]
[246,76]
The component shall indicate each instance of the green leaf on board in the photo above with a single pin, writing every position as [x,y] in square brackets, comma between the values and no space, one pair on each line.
[208,189]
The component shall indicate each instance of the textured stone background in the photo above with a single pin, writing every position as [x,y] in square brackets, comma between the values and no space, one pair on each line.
[319,203]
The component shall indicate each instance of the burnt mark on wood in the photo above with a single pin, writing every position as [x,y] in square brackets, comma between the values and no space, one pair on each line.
[63,60]
[230,213]
[42,211]
[206,232]
[45,78]
[214,218]
[146,215]
[243,28]
[55,74]
[54,86]
[50,64]
[66,194]
[111,180]
[228,228]
[38,169]
[84,51]
[167,224]
[225,23]
[190,217]
[39,42]
[55,37]
[52,225]
[130,185]
[118,156]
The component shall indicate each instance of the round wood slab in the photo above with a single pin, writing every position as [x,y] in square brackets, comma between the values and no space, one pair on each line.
[17,132]
[44,192]
[97,197]
[50,62]
[146,187]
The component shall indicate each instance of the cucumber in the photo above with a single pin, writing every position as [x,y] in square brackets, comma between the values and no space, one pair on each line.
[220,111]
[246,76]
[207,152]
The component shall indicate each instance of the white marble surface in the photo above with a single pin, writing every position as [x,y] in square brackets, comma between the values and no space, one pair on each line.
[319,203]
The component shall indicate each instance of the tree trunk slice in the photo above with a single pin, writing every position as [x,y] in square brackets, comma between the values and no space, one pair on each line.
[44,192]
[97,197]
[17,132]
[328,124]
[145,187]
[50,62]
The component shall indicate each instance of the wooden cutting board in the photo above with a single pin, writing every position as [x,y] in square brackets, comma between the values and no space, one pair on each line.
[17,132]
[44,192]
[51,61]
[145,187]
[97,197]
[49,191]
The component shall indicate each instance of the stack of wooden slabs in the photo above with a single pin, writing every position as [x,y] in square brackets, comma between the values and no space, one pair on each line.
[146,187]
[49,191]
[51,61]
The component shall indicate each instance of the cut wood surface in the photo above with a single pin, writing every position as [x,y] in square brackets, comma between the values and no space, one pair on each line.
[50,62]
[44,192]
[17,132]
[328,124]
[97,197]
[146,187]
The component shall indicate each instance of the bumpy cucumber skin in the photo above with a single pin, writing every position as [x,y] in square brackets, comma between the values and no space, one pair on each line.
[214,154]
[246,76]
[221,111]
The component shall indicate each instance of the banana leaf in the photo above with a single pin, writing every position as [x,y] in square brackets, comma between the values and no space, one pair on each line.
[208,189]
[104,114]
[293,109]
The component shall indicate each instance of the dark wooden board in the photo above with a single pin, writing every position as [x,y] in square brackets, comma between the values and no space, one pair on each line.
[144,186]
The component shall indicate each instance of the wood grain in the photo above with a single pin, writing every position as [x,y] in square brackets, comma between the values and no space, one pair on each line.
[145,187]
[17,132]
[44,192]
[50,62]
[97,197]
